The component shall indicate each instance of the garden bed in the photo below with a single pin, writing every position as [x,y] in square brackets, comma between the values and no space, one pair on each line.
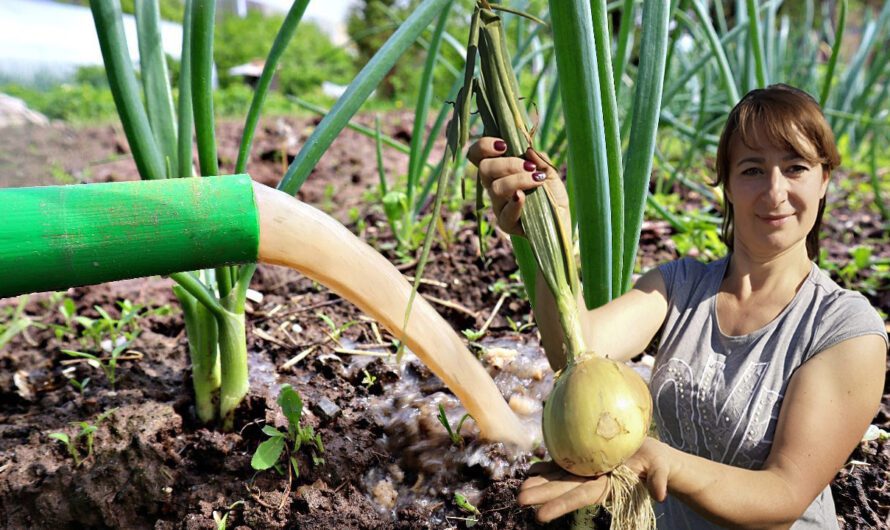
[153,466]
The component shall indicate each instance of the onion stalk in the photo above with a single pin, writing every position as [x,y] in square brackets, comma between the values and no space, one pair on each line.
[599,411]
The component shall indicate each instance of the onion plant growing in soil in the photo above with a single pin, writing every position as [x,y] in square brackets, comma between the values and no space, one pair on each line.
[213,300]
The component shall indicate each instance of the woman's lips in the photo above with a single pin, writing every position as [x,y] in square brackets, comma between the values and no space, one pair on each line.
[775,220]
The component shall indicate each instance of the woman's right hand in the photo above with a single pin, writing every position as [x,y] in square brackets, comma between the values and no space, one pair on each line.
[506,179]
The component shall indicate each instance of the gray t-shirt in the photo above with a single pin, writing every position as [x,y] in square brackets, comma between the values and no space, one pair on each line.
[718,396]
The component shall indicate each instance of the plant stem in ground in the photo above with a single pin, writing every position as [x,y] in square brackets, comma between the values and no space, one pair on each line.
[233,361]
[201,329]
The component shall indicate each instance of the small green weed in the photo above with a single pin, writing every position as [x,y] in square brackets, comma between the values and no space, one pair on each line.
[79,385]
[14,321]
[464,504]
[369,379]
[104,334]
[453,434]
[86,433]
[336,331]
[108,364]
[222,520]
[288,443]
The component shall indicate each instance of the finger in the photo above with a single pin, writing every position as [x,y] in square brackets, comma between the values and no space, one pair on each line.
[492,169]
[540,468]
[545,472]
[539,159]
[486,147]
[508,218]
[505,188]
[548,492]
[656,483]
[591,492]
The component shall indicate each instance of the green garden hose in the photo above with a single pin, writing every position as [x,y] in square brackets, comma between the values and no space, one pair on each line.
[55,237]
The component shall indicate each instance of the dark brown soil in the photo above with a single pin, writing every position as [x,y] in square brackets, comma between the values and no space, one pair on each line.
[154,466]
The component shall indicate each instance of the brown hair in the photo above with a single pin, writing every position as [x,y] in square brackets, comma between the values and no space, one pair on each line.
[780,113]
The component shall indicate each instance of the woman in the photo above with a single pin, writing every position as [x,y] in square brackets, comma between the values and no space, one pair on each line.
[767,373]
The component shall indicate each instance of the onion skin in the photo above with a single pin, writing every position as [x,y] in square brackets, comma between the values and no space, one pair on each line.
[597,416]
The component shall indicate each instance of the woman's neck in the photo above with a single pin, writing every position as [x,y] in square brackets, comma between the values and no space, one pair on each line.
[779,274]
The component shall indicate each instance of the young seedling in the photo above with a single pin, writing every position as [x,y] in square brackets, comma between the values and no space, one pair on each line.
[87,433]
[16,323]
[453,434]
[222,520]
[519,326]
[369,379]
[108,365]
[80,385]
[287,443]
[464,504]
[336,331]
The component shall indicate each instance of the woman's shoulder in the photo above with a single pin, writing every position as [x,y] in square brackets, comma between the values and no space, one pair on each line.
[689,268]
[832,296]
[688,278]
[841,313]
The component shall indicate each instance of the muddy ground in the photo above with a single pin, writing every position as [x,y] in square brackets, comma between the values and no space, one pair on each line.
[154,466]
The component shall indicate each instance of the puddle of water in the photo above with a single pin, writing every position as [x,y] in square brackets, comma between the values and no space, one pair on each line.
[428,468]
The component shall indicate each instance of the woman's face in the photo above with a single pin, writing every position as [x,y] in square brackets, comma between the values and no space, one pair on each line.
[775,196]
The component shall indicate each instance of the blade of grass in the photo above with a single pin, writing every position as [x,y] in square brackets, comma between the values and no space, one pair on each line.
[415,164]
[378,149]
[718,51]
[613,137]
[835,51]
[203,15]
[625,42]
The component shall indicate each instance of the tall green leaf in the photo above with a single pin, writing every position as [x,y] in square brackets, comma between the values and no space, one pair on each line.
[647,98]
[282,39]
[203,13]
[588,168]
[756,44]
[155,81]
[415,164]
[125,89]
[357,93]
[186,117]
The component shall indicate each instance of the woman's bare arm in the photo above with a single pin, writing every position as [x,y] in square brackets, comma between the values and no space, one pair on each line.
[619,329]
[826,409]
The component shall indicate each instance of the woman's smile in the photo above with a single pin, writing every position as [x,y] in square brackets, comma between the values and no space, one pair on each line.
[776,220]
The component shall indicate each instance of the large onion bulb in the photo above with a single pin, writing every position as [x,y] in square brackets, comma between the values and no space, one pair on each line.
[597,415]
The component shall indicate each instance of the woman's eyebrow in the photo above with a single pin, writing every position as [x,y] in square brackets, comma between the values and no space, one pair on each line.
[760,160]
[754,159]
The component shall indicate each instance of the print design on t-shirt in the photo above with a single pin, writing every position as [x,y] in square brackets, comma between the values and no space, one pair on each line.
[707,420]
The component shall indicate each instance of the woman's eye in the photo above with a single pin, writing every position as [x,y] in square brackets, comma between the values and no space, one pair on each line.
[796,169]
[751,172]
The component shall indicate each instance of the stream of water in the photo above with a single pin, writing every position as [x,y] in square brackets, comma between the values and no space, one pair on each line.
[303,238]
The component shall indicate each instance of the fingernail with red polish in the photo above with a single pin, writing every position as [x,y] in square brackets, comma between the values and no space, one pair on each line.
[500,145]
[529,165]
[539,176]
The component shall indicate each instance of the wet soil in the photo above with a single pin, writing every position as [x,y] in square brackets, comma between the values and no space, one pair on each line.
[154,466]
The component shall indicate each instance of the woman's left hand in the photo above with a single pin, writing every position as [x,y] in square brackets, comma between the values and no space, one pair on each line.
[558,492]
